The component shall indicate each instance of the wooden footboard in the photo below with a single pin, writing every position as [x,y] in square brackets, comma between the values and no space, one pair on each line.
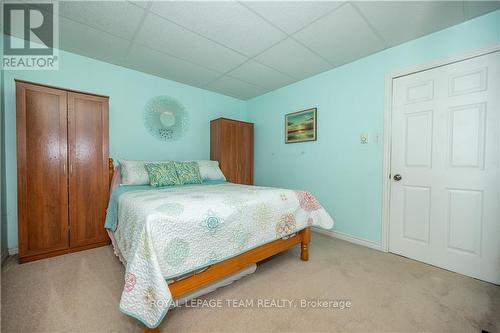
[232,265]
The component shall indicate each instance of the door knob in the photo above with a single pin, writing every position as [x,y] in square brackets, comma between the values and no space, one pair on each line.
[397,177]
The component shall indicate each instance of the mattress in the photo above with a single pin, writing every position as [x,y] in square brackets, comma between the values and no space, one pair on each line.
[163,233]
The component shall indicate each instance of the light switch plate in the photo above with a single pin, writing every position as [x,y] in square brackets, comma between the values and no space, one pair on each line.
[364,138]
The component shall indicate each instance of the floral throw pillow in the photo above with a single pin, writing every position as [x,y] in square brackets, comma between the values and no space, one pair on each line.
[188,172]
[162,174]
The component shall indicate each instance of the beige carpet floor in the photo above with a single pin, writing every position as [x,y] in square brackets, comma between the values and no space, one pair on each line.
[80,292]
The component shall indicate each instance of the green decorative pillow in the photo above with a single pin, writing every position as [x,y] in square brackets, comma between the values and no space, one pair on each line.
[188,172]
[162,174]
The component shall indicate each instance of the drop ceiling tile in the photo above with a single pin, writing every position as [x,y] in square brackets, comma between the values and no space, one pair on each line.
[261,75]
[235,88]
[476,8]
[119,18]
[141,3]
[341,36]
[93,29]
[291,16]
[84,40]
[293,59]
[226,22]
[153,62]
[164,36]
[399,22]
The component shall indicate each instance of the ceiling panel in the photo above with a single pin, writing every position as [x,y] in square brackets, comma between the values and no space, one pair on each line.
[260,75]
[228,23]
[144,59]
[291,16]
[236,88]
[293,59]
[249,48]
[81,39]
[164,36]
[398,22]
[476,8]
[142,4]
[118,18]
[341,36]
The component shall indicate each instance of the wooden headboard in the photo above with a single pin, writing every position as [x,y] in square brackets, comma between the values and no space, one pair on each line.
[111,170]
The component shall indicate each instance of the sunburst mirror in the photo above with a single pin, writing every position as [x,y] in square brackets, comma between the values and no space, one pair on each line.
[165,118]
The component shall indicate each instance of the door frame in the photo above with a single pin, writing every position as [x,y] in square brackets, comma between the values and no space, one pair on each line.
[386,180]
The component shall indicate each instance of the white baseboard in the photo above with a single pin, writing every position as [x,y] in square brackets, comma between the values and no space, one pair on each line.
[350,239]
[330,233]
[13,250]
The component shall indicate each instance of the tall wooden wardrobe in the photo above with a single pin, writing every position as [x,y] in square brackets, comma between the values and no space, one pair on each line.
[62,170]
[231,143]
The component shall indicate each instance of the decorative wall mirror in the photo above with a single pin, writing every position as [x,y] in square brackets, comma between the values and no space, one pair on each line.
[165,118]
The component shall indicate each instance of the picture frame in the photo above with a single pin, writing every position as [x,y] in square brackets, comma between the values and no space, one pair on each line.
[301,126]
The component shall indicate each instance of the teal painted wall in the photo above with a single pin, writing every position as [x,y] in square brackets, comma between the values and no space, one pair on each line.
[345,175]
[3,203]
[3,207]
[129,91]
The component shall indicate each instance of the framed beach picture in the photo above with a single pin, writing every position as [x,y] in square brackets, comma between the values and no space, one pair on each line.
[300,126]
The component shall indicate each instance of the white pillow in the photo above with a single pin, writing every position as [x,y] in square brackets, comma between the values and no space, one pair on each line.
[210,170]
[134,172]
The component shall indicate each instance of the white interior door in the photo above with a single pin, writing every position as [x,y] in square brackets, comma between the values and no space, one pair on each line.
[446,148]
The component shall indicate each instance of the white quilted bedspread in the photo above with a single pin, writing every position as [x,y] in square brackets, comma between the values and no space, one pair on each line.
[164,233]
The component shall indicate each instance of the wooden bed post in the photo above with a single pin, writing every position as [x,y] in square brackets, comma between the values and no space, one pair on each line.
[304,244]
[152,330]
[111,170]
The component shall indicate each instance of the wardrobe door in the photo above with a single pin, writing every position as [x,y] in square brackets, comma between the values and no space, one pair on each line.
[88,168]
[245,160]
[230,147]
[41,169]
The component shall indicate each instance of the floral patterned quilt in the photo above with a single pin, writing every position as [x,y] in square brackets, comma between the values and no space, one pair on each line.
[164,233]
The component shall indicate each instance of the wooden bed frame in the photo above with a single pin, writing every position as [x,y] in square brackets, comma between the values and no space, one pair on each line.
[232,265]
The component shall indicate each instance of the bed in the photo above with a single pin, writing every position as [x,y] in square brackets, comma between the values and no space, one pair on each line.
[176,239]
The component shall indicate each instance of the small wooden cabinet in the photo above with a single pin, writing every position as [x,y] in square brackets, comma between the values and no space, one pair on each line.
[231,143]
[62,170]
